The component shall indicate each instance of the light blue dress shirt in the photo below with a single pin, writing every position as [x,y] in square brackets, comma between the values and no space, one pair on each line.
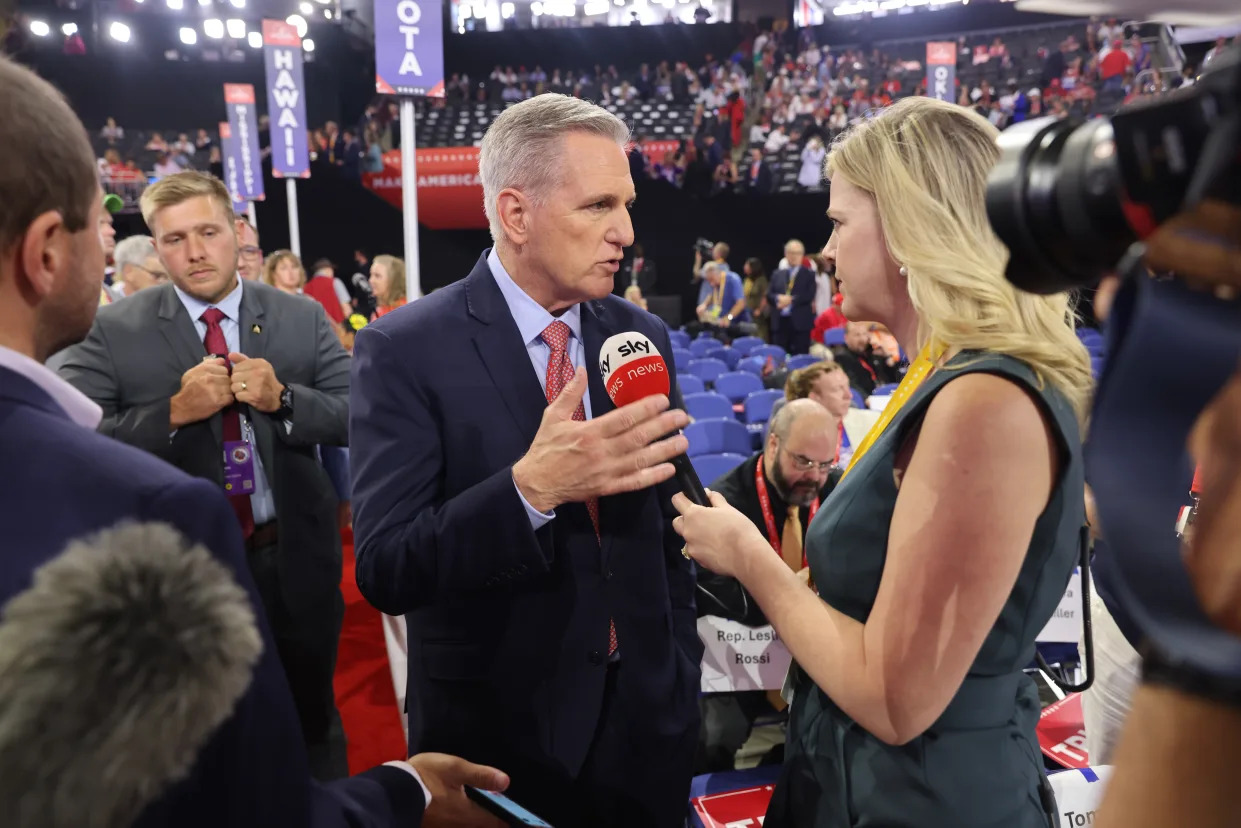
[261,502]
[532,319]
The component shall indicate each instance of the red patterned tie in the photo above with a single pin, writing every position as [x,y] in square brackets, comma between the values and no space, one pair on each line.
[559,373]
[216,344]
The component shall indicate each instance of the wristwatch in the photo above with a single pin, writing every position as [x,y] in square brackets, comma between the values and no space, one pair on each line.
[285,411]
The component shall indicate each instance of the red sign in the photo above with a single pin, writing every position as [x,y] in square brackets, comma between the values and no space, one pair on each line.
[733,809]
[450,193]
[941,52]
[1061,735]
[238,93]
[279,33]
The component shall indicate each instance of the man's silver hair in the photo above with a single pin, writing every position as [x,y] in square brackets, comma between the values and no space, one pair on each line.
[711,267]
[522,148]
[117,665]
[134,250]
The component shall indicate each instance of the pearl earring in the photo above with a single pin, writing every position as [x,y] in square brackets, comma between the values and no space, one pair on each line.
[904,271]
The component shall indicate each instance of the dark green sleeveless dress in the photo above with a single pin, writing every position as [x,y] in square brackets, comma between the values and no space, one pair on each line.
[979,764]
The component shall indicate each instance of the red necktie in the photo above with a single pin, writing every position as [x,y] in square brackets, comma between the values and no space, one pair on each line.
[559,372]
[216,344]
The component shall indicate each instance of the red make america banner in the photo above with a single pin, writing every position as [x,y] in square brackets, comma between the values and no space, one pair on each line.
[450,194]
[734,809]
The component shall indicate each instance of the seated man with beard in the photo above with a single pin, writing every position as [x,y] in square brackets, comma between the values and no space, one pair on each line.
[780,489]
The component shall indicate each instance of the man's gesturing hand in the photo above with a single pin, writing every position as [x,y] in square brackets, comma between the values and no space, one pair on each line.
[204,391]
[572,461]
[255,383]
[445,777]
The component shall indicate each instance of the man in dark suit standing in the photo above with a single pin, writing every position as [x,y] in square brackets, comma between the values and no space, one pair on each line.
[791,297]
[238,383]
[529,543]
[60,480]
[759,179]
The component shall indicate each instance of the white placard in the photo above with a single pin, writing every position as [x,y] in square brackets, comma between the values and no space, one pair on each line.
[737,657]
[1065,626]
[1078,794]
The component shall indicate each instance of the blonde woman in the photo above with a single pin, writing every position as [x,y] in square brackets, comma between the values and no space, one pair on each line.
[951,538]
[283,270]
[388,284]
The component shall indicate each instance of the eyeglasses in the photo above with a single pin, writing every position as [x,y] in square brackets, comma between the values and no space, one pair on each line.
[803,463]
[251,251]
[157,275]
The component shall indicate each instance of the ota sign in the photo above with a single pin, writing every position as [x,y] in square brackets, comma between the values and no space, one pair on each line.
[409,47]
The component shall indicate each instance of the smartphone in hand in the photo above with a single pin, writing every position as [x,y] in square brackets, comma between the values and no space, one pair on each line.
[504,808]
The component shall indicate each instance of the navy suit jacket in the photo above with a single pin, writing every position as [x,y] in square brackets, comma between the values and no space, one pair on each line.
[804,287]
[58,482]
[508,626]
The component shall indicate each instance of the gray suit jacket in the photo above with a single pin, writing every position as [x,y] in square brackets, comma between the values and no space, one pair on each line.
[131,364]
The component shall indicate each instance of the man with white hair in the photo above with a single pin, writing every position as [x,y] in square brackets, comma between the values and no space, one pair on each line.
[521,522]
[137,265]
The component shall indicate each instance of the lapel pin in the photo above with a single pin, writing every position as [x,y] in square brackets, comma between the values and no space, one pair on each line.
[256,328]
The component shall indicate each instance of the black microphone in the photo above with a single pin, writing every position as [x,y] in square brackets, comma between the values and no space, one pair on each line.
[633,369]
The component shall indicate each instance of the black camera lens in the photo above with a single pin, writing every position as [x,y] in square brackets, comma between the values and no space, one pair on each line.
[1055,199]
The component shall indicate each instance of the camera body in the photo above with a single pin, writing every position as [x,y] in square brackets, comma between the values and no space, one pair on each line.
[704,247]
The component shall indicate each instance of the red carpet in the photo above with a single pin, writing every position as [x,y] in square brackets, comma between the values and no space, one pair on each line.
[363,682]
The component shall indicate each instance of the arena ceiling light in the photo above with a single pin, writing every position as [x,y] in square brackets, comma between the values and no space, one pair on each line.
[298,22]
[238,4]
[594,7]
[236,28]
[39,28]
[327,13]
[119,32]
[306,8]
[69,29]
[188,36]
[175,5]
[308,45]
[507,10]
[255,39]
[204,3]
[213,28]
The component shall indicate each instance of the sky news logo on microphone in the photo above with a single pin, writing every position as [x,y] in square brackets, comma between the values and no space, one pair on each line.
[632,368]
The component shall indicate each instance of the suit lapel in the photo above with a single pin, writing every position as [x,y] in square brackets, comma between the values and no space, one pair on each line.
[502,351]
[253,333]
[597,326]
[182,337]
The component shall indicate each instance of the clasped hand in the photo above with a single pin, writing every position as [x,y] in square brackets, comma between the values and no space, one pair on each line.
[573,460]
[209,387]
[719,538]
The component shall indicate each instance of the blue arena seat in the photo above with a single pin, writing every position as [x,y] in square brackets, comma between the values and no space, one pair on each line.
[752,365]
[707,369]
[690,384]
[701,347]
[679,339]
[884,390]
[774,351]
[725,354]
[737,385]
[834,336]
[711,467]
[681,358]
[745,344]
[758,405]
[708,405]
[800,361]
[716,436]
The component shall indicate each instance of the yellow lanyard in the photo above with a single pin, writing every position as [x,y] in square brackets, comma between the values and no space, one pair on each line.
[918,371]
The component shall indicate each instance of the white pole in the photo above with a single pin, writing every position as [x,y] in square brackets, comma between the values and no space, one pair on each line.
[252,214]
[295,232]
[409,190]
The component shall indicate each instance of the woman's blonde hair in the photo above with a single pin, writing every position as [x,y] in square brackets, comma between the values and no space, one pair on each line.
[801,382]
[396,278]
[273,261]
[926,163]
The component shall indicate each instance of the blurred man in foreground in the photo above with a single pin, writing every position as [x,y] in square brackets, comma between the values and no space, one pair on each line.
[253,770]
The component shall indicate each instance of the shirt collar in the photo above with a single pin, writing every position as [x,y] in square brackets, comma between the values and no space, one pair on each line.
[230,305]
[80,408]
[531,317]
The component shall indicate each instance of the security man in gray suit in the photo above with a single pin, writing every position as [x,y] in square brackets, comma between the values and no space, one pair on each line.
[238,383]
